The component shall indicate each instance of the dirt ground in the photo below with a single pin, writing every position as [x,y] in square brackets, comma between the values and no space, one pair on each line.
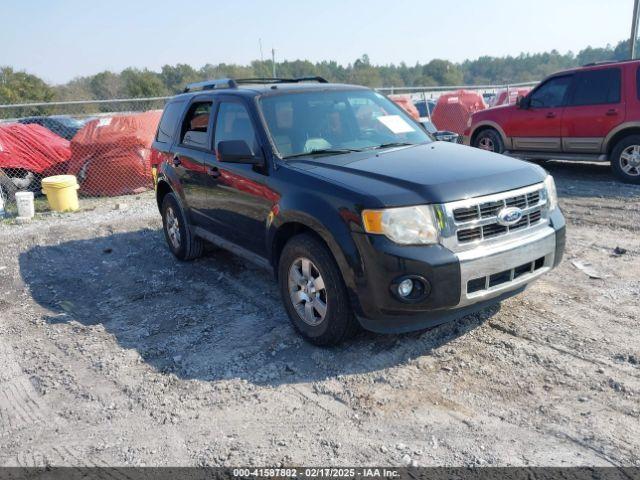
[114,353]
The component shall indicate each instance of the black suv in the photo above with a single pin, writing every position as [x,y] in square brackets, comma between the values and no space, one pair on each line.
[363,219]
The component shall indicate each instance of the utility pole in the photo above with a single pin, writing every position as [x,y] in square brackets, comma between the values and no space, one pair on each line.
[634,28]
[261,54]
[273,60]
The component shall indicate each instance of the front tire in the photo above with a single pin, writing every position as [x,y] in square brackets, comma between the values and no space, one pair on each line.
[625,159]
[314,293]
[489,140]
[182,243]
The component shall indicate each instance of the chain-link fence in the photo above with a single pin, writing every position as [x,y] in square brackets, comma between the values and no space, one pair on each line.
[106,144]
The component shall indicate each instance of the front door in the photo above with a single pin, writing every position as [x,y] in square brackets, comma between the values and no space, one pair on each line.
[539,126]
[242,199]
[594,108]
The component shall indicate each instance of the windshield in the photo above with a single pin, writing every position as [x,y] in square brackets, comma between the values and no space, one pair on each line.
[69,122]
[332,122]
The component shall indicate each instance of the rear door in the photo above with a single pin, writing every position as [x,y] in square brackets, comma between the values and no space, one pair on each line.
[539,127]
[192,151]
[594,108]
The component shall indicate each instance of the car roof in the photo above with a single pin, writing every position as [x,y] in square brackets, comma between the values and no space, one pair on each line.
[595,65]
[255,89]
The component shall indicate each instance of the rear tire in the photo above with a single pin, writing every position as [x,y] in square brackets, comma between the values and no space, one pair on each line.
[625,159]
[177,232]
[313,292]
[489,140]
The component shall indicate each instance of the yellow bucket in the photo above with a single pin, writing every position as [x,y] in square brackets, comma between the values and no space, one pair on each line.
[61,192]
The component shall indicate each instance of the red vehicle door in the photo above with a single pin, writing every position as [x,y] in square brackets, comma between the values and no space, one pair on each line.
[594,108]
[537,124]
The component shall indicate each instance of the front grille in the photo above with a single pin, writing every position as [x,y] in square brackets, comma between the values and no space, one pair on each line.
[486,213]
[490,281]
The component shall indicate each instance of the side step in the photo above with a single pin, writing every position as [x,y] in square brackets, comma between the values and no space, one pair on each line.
[574,157]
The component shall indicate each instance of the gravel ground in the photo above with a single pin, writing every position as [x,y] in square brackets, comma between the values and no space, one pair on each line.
[114,353]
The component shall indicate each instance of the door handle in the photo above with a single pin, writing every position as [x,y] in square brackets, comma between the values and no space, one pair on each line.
[213,172]
[176,161]
[611,112]
[551,115]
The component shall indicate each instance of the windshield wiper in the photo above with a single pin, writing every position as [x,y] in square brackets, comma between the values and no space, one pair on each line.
[391,145]
[323,151]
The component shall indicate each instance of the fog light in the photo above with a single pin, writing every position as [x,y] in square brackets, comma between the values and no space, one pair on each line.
[405,288]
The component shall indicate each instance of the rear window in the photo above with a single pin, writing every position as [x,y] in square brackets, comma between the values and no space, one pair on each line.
[169,122]
[596,87]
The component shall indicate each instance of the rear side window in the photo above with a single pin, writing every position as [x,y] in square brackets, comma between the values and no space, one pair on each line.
[596,87]
[169,122]
[195,126]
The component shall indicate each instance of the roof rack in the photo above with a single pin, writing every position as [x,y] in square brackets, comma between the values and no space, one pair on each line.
[231,83]
[269,80]
[607,62]
[211,85]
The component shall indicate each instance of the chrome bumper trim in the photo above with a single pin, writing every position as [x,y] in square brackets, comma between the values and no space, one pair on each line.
[486,261]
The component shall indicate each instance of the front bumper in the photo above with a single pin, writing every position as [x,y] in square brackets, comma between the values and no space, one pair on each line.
[461,283]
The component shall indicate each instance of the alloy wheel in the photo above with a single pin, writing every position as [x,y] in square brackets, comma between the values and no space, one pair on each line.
[485,143]
[173,228]
[630,160]
[307,291]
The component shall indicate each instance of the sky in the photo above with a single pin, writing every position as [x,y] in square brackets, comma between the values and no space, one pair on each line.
[62,39]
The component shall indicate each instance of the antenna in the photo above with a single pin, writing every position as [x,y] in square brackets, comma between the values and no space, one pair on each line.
[273,62]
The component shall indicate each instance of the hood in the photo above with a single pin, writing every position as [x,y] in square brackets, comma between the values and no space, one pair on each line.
[437,172]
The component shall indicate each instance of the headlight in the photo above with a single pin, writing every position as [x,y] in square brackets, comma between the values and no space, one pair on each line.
[406,226]
[552,195]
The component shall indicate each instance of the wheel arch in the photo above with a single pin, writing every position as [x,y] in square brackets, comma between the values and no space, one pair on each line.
[619,134]
[162,189]
[489,125]
[331,231]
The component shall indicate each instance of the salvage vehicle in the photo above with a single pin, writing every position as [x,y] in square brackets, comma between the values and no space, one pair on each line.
[364,220]
[61,125]
[590,113]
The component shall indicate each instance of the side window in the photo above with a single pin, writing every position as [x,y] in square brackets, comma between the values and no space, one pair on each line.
[169,122]
[552,93]
[596,87]
[195,127]
[234,123]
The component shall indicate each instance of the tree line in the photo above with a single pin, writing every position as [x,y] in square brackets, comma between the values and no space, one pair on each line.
[18,87]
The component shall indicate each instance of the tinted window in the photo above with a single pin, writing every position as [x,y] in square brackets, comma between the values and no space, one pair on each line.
[195,126]
[596,87]
[551,94]
[169,122]
[233,123]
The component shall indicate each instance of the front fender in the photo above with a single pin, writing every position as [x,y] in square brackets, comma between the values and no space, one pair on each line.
[333,223]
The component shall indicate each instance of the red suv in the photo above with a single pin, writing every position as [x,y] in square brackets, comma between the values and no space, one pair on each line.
[589,113]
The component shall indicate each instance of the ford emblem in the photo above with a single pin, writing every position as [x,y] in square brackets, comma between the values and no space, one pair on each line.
[509,216]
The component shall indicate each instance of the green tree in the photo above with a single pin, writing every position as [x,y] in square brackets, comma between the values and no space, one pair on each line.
[17,87]
[142,83]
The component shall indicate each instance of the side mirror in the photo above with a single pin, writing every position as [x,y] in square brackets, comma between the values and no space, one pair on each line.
[237,151]
[522,102]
